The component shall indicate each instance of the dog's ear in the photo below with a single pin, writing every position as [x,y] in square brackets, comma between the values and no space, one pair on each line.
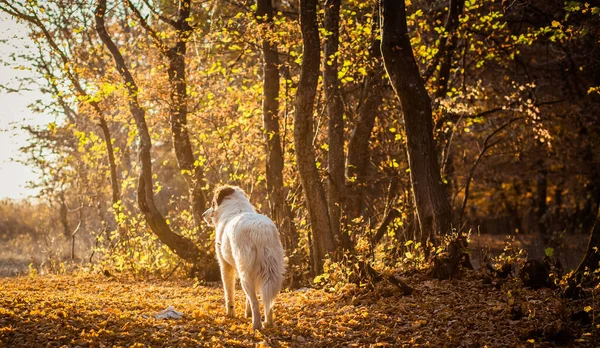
[221,193]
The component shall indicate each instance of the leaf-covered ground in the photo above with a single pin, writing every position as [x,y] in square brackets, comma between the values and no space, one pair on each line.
[97,311]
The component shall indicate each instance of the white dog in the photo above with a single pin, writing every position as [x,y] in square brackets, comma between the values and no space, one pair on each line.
[247,243]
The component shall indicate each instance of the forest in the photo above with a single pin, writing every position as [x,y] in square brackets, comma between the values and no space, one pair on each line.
[432,167]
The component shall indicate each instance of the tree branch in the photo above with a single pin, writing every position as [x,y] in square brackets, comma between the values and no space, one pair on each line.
[486,146]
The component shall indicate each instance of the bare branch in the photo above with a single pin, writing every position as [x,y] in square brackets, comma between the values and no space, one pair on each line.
[486,146]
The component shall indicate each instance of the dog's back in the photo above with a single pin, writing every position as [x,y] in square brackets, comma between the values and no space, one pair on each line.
[257,252]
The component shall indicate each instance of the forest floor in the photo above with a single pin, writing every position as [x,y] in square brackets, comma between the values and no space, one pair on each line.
[92,310]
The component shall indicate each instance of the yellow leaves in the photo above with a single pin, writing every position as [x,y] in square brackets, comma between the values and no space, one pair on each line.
[52,127]
[595,89]
[110,313]
[321,278]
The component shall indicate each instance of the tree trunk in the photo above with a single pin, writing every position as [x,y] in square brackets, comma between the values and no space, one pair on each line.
[64,215]
[281,212]
[323,241]
[591,259]
[541,207]
[114,180]
[358,146]
[431,200]
[193,173]
[448,45]
[446,52]
[335,132]
[182,246]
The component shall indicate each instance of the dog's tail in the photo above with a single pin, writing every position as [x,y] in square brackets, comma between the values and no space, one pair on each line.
[273,267]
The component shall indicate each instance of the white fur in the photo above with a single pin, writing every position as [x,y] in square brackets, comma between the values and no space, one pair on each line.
[247,243]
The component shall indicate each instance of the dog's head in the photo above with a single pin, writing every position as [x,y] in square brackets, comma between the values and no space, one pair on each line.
[222,193]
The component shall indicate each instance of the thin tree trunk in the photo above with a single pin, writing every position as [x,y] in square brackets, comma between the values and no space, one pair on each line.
[193,172]
[431,200]
[448,45]
[323,241]
[335,131]
[358,147]
[281,212]
[446,53]
[487,144]
[73,234]
[114,180]
[64,217]
[541,207]
[182,246]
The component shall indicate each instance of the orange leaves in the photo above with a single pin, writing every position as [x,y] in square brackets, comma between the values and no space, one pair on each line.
[84,311]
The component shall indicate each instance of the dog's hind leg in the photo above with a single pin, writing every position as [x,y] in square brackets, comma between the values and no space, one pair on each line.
[248,309]
[268,314]
[228,278]
[269,290]
[250,290]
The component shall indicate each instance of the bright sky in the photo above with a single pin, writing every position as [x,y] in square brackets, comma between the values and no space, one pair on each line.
[14,113]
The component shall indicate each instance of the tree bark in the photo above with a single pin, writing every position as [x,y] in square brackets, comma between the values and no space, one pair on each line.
[335,130]
[323,241]
[194,173]
[64,215]
[358,147]
[182,246]
[281,212]
[114,180]
[431,200]
[448,45]
[541,207]
[445,53]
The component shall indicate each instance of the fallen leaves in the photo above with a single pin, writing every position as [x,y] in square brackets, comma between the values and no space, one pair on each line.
[94,311]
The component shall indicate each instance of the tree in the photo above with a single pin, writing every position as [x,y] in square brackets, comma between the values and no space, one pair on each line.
[74,78]
[280,211]
[182,246]
[335,110]
[446,48]
[323,241]
[176,56]
[357,162]
[431,201]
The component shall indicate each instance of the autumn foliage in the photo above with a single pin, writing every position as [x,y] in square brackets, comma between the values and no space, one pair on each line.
[385,139]
[83,311]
